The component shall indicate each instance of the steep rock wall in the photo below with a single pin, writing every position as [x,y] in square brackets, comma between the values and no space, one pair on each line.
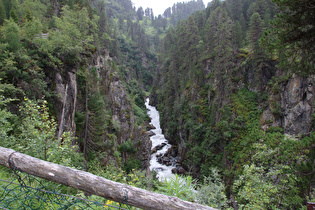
[68,101]
[65,101]
[292,107]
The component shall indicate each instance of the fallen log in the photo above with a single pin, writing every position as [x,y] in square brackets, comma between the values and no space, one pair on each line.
[93,184]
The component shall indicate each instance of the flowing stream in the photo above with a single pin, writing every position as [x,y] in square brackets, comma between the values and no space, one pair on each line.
[163,171]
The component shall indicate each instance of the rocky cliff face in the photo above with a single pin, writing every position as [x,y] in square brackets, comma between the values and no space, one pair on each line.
[122,114]
[290,102]
[68,102]
[66,99]
[292,107]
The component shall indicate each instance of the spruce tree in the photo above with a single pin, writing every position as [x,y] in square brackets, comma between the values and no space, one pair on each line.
[28,15]
[11,32]
[14,16]
[221,47]
[2,13]
[237,35]
[7,4]
[293,33]
[140,13]
[255,29]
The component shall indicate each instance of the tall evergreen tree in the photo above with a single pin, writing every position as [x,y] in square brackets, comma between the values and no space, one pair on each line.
[140,13]
[293,33]
[255,30]
[12,35]
[7,6]
[14,16]
[2,13]
[237,35]
[221,38]
[28,15]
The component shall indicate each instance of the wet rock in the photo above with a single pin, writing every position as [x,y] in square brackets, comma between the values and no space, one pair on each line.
[159,155]
[151,133]
[158,147]
[158,169]
[179,170]
[150,126]
[169,151]
[165,160]
[174,170]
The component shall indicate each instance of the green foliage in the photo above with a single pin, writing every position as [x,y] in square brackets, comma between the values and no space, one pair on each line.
[271,181]
[30,9]
[255,29]
[72,34]
[267,190]
[212,191]
[291,34]
[28,15]
[11,34]
[2,13]
[181,186]
[32,29]
[14,16]
[133,177]
[5,125]
[127,146]
[132,164]
[34,134]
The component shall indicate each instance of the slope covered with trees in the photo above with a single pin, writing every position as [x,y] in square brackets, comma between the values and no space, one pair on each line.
[73,57]
[235,93]
[227,103]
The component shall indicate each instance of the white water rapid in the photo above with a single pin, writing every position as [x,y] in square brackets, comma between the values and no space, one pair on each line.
[163,171]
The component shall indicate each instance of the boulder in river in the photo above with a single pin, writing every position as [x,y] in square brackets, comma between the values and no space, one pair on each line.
[151,133]
[179,170]
[158,147]
[150,126]
[159,155]
[165,160]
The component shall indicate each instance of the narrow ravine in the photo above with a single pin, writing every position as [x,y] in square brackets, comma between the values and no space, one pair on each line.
[160,146]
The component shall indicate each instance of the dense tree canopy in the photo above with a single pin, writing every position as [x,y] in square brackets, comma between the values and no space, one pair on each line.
[293,35]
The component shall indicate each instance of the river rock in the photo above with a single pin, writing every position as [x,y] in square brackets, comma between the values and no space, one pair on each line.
[151,133]
[166,160]
[169,151]
[150,126]
[179,170]
[158,147]
[174,170]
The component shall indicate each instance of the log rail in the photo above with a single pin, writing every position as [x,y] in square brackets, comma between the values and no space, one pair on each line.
[93,184]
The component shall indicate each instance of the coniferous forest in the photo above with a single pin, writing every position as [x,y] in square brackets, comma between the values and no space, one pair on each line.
[233,82]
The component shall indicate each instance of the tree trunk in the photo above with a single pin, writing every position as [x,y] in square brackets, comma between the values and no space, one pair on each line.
[93,184]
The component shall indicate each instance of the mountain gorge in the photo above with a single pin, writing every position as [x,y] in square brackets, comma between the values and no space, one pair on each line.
[233,82]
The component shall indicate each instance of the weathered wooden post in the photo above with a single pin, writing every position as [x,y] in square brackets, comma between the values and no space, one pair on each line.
[93,184]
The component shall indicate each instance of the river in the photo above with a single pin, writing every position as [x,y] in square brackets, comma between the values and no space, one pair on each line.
[163,171]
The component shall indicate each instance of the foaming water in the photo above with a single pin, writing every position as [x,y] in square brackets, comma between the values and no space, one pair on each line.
[163,171]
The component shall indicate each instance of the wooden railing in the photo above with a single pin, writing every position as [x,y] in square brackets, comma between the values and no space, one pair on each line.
[93,184]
